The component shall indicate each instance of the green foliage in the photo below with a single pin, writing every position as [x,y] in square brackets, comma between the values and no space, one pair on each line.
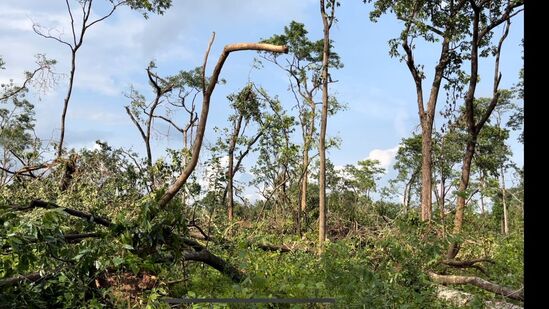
[152,6]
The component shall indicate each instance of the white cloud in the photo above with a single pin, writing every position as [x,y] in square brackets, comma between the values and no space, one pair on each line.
[384,156]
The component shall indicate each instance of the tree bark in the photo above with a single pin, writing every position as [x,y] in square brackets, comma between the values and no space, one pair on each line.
[461,198]
[478,282]
[327,21]
[504,202]
[230,173]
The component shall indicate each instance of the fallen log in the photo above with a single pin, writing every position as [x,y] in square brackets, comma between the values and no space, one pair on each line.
[478,282]
[17,279]
[465,264]
[462,299]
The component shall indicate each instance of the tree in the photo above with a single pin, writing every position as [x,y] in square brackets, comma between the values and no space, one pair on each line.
[250,108]
[363,176]
[485,17]
[169,92]
[276,166]
[434,23]
[408,166]
[18,142]
[304,68]
[78,31]
[208,86]
[327,21]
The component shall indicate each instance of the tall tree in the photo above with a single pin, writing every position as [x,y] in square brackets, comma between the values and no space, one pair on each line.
[304,68]
[485,17]
[250,108]
[79,25]
[408,166]
[327,22]
[434,22]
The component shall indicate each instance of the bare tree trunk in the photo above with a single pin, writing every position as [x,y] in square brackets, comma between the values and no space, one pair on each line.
[304,181]
[426,172]
[482,187]
[504,201]
[66,102]
[74,45]
[230,173]
[406,197]
[461,198]
[327,21]
[478,282]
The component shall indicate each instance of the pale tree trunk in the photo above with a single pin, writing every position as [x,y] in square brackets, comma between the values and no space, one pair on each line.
[426,172]
[307,140]
[305,177]
[482,188]
[230,174]
[504,202]
[207,91]
[406,197]
[327,21]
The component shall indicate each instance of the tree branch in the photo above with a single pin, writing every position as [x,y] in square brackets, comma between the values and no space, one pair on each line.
[70,211]
[478,282]
[189,168]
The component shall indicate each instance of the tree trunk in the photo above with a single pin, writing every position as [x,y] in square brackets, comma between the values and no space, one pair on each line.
[327,23]
[230,173]
[461,198]
[66,101]
[504,201]
[478,282]
[426,171]
[307,140]
[304,180]
[406,197]
[482,186]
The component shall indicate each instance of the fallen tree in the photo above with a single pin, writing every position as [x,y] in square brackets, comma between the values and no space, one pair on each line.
[197,252]
[460,299]
[478,282]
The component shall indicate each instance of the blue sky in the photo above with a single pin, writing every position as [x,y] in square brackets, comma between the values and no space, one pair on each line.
[378,90]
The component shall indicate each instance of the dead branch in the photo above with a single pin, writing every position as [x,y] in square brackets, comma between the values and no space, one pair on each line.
[462,299]
[34,277]
[464,264]
[478,282]
[216,262]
